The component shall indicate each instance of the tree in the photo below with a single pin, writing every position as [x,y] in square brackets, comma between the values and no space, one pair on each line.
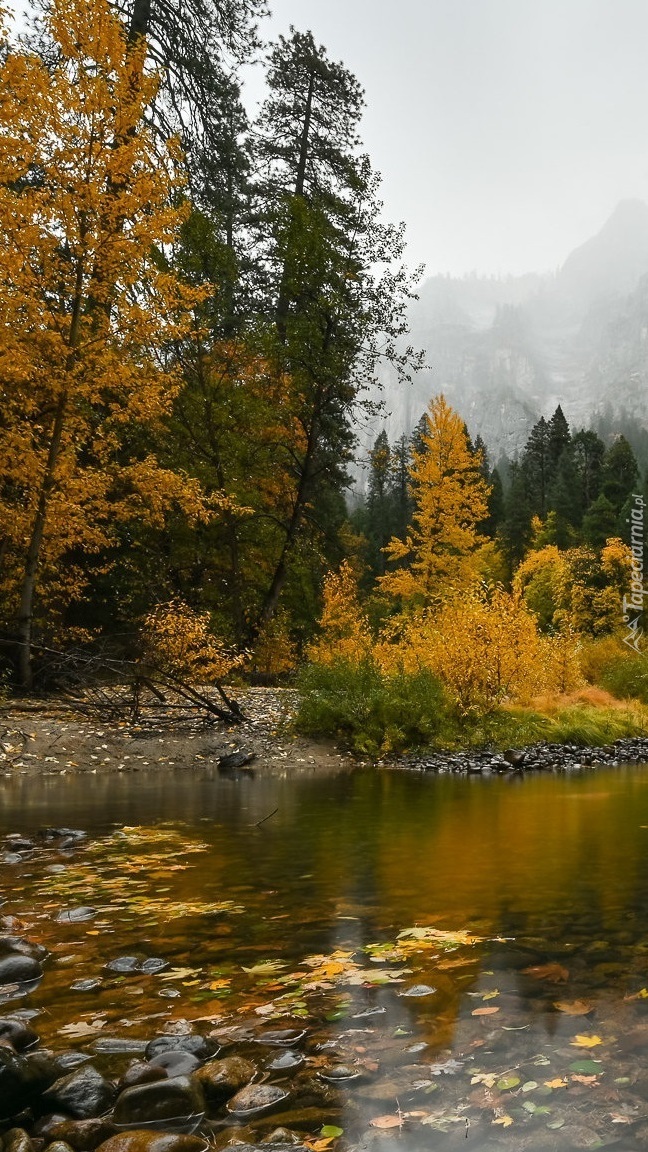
[450,498]
[87,312]
[589,451]
[599,522]
[619,473]
[334,317]
[558,438]
[379,511]
[515,529]
[536,467]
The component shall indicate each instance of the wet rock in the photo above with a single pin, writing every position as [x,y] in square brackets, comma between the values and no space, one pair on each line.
[76,915]
[197,1045]
[269,1145]
[66,1061]
[236,759]
[88,985]
[176,1062]
[281,1136]
[11,858]
[17,1084]
[59,1146]
[18,968]
[9,943]
[339,1074]
[17,1032]
[83,1093]
[141,1073]
[222,1079]
[153,965]
[141,1140]
[256,1098]
[286,1062]
[418,990]
[19,843]
[117,1045]
[83,1135]
[164,1100]
[17,1140]
[123,964]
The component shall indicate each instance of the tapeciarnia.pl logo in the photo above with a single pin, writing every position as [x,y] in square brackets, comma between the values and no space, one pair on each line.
[633,603]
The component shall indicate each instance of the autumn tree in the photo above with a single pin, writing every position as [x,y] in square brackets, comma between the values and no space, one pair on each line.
[451,499]
[88,312]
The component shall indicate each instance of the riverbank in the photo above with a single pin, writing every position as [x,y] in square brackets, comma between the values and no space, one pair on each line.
[53,739]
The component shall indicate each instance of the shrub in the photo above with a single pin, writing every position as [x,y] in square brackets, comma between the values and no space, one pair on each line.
[371,712]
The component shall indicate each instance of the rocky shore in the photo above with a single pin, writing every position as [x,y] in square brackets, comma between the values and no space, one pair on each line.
[541,757]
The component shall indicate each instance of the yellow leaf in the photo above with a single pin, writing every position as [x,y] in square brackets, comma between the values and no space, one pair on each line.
[505,1121]
[574,1007]
[485,1011]
[582,1041]
[557,1083]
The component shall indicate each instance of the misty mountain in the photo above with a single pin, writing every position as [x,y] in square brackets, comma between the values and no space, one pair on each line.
[505,351]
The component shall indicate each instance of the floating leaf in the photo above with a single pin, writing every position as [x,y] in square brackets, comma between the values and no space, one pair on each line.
[529,1085]
[559,1082]
[331,1132]
[505,1121]
[264,968]
[507,1082]
[387,1122]
[586,1067]
[574,1007]
[554,973]
[484,1011]
[583,1041]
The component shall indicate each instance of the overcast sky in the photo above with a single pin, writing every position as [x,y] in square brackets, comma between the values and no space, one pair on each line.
[505,130]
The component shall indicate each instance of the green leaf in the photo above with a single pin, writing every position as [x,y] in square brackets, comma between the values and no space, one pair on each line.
[586,1067]
[508,1082]
[330,1132]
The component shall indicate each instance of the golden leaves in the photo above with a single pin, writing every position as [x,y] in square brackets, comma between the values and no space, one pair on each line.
[574,1007]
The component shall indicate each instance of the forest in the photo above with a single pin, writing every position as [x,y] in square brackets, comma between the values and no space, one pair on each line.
[196,306]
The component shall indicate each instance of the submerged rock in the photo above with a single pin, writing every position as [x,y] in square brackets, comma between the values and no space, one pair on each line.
[256,1098]
[83,1135]
[18,1032]
[141,1140]
[17,1140]
[221,1079]
[197,1045]
[83,1093]
[163,1100]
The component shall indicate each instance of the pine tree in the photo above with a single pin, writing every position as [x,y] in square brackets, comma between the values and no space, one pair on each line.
[334,315]
[379,505]
[516,523]
[599,522]
[589,451]
[536,467]
[619,473]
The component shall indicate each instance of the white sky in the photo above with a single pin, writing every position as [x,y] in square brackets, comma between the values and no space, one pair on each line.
[505,130]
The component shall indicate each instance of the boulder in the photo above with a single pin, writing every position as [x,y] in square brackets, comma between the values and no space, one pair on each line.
[170,1099]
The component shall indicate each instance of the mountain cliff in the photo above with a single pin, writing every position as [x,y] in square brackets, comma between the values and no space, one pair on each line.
[506,351]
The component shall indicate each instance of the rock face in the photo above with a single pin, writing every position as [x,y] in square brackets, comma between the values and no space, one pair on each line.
[507,351]
[164,1100]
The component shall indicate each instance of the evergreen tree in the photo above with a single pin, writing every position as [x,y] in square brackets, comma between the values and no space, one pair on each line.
[619,473]
[599,522]
[589,451]
[399,486]
[379,505]
[536,468]
[564,498]
[518,511]
[333,314]
[559,438]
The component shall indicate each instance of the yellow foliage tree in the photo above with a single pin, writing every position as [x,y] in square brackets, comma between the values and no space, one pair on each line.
[576,591]
[344,629]
[88,312]
[178,641]
[450,497]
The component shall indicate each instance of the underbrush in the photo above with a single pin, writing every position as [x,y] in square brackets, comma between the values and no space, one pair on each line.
[375,714]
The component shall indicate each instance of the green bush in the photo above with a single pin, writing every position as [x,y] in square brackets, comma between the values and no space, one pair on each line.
[626,677]
[371,713]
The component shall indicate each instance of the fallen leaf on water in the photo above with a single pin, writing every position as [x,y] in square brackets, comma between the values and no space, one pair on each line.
[82,1028]
[642,994]
[331,1131]
[264,968]
[574,1007]
[507,1082]
[505,1121]
[484,1011]
[582,1041]
[584,1079]
[491,995]
[555,973]
[559,1082]
[387,1122]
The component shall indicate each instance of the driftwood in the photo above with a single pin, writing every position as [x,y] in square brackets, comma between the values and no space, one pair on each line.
[117,689]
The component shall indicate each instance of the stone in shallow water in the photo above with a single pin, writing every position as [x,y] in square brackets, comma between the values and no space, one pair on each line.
[141,1140]
[83,1135]
[88,985]
[17,1140]
[197,1045]
[16,1082]
[141,1073]
[18,968]
[117,1045]
[59,1146]
[418,990]
[153,965]
[176,1062]
[221,1079]
[286,1062]
[17,1032]
[256,1098]
[123,964]
[164,1100]
[83,1093]
[76,915]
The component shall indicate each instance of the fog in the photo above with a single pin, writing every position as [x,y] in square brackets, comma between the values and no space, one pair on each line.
[506,130]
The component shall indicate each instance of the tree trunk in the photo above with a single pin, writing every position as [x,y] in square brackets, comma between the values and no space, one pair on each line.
[26,609]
